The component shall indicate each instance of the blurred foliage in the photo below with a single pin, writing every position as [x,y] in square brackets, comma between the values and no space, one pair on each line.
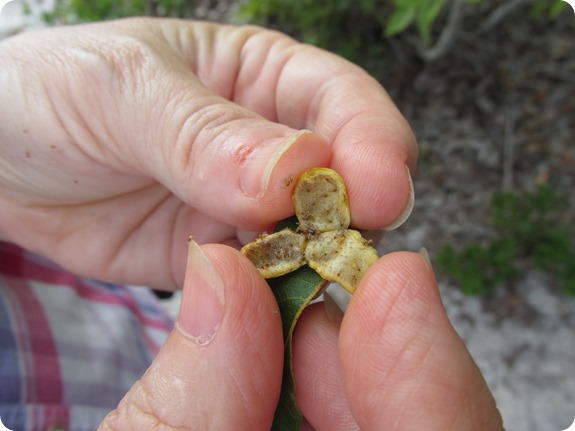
[529,234]
[550,8]
[422,13]
[354,29]
[76,11]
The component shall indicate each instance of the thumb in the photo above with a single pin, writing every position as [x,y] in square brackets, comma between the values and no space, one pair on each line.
[404,365]
[220,368]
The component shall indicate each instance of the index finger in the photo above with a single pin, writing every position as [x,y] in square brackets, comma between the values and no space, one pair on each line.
[403,364]
[308,88]
[373,146]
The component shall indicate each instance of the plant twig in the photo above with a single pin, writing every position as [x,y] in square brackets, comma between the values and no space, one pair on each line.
[501,12]
[508,148]
[447,36]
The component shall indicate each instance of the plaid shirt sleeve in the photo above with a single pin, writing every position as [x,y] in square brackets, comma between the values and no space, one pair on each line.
[70,348]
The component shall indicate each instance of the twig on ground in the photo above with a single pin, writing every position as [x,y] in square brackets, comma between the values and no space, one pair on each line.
[447,36]
[501,12]
[508,148]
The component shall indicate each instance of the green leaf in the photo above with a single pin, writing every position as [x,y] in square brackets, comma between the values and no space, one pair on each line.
[293,292]
[399,20]
[426,17]
[556,8]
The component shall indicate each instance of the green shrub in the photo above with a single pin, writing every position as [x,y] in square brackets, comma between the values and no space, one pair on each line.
[343,22]
[550,8]
[530,233]
[349,27]
[75,11]
[422,13]
[355,29]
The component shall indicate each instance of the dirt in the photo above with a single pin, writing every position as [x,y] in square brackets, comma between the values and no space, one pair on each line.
[497,113]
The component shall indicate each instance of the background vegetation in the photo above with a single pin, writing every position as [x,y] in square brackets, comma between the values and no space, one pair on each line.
[352,28]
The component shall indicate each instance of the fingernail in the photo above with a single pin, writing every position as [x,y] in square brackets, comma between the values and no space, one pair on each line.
[425,255]
[202,304]
[332,310]
[408,207]
[257,170]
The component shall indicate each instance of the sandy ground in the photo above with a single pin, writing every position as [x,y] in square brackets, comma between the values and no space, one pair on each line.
[481,128]
[524,343]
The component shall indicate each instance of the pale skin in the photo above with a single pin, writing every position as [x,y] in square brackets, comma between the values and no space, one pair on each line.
[120,140]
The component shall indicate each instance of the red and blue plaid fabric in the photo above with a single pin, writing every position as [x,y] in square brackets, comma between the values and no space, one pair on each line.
[70,348]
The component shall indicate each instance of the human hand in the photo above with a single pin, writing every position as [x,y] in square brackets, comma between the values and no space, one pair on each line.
[118,140]
[392,362]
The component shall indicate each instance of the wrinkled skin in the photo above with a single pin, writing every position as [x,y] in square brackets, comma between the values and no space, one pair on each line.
[119,140]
